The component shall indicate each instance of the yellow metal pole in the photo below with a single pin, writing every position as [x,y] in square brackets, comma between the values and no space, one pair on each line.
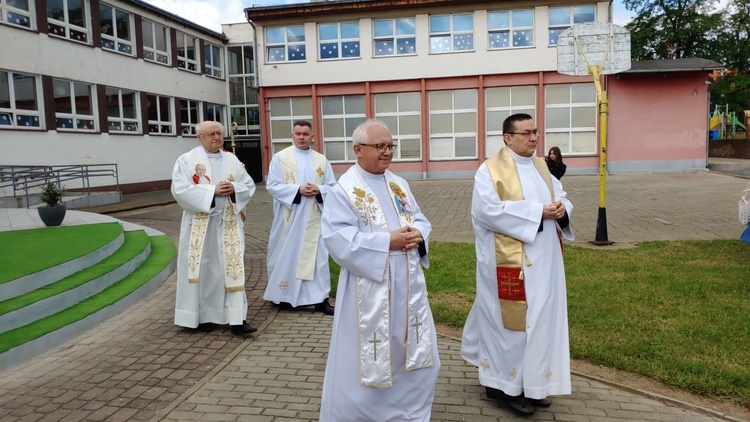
[603,106]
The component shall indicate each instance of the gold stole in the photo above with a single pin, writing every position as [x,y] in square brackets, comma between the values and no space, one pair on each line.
[309,250]
[234,265]
[509,253]
[373,296]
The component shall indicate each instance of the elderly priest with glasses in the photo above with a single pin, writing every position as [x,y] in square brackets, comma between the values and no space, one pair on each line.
[516,333]
[383,360]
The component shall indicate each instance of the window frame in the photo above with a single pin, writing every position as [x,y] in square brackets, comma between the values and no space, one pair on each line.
[570,130]
[453,135]
[339,41]
[212,109]
[212,53]
[396,132]
[156,53]
[349,156]
[121,119]
[394,37]
[159,121]
[195,105]
[186,62]
[510,109]
[15,112]
[30,14]
[571,21]
[286,44]
[250,110]
[74,115]
[285,139]
[511,29]
[68,27]
[116,41]
[452,33]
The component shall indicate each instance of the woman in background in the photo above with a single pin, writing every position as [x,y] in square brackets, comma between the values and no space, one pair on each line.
[555,163]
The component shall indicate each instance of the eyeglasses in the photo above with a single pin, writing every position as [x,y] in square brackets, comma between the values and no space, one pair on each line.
[212,134]
[381,148]
[526,134]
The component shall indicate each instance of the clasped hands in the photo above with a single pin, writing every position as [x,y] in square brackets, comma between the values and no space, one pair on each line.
[309,190]
[405,238]
[224,188]
[555,210]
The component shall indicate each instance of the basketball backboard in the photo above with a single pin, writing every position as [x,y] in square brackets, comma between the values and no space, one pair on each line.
[601,43]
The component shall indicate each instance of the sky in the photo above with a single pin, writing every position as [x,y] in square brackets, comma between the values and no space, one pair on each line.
[212,13]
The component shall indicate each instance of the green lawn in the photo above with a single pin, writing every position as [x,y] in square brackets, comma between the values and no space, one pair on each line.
[24,252]
[678,312]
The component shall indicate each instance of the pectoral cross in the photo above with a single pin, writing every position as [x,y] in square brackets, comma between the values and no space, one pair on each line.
[416,325]
[375,342]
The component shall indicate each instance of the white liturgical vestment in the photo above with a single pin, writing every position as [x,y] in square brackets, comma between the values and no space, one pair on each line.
[297,261]
[210,262]
[383,360]
[535,362]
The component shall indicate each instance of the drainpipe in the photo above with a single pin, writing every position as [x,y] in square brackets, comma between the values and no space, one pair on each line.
[261,102]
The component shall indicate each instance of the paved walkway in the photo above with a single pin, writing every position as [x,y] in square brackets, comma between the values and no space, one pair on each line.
[139,366]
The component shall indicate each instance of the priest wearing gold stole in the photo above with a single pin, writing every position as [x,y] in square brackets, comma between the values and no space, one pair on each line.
[299,179]
[383,359]
[211,260]
[517,331]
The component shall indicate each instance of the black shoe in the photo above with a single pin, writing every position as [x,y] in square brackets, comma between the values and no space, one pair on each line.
[324,307]
[284,305]
[545,402]
[206,327]
[495,394]
[245,328]
[520,404]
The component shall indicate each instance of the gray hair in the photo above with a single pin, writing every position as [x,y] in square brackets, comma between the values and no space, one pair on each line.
[199,127]
[359,136]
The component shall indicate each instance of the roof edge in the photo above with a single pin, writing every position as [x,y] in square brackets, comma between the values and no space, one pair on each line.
[147,6]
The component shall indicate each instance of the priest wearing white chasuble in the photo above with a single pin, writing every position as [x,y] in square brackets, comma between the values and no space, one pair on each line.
[299,179]
[212,187]
[516,333]
[383,359]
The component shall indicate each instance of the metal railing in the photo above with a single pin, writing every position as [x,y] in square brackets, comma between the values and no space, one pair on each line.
[27,180]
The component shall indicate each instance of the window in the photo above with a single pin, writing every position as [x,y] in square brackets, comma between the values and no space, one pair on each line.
[402,113]
[122,110]
[284,111]
[571,118]
[286,44]
[243,93]
[511,29]
[116,27]
[17,12]
[212,55]
[190,115]
[449,33]
[187,52]
[160,116]
[560,19]
[394,37]
[19,101]
[338,40]
[216,113]
[68,19]
[500,103]
[453,124]
[155,42]
[341,115]
[74,105]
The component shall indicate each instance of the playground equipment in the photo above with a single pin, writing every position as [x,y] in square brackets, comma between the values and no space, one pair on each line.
[724,123]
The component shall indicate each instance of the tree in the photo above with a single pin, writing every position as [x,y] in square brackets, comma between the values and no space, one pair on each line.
[665,29]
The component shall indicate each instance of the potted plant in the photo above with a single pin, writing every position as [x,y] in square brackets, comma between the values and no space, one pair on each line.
[53,212]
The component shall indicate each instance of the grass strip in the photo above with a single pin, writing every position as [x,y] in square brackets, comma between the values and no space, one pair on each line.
[162,252]
[135,243]
[24,252]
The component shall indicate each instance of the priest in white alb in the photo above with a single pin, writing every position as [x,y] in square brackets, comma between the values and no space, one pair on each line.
[516,333]
[299,179]
[383,359]
[212,187]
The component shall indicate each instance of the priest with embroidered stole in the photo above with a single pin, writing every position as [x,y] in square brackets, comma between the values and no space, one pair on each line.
[516,333]
[383,359]
[299,179]
[212,187]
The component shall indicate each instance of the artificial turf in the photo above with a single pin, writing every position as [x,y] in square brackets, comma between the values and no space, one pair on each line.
[162,252]
[24,252]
